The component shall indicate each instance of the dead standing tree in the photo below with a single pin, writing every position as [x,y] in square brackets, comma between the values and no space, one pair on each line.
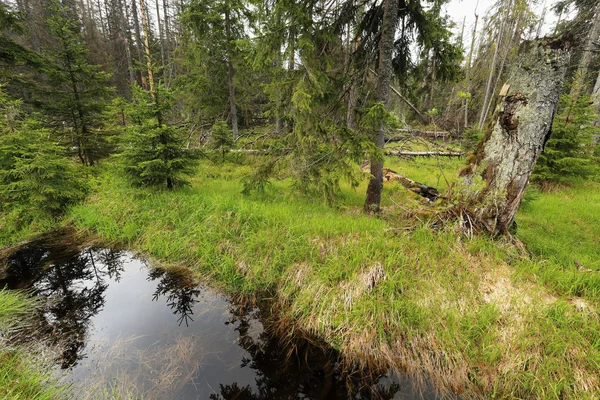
[499,170]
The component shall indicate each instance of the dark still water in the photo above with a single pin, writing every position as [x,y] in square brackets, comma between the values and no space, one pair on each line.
[122,328]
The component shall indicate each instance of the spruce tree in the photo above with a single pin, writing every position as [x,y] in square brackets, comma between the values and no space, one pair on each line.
[569,151]
[36,178]
[222,137]
[153,152]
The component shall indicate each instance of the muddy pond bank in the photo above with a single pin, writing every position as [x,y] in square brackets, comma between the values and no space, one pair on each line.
[117,325]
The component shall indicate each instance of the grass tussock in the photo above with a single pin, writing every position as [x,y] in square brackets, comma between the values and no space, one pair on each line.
[471,316]
[21,376]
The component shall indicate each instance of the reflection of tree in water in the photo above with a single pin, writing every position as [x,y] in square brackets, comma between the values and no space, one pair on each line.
[73,283]
[181,292]
[284,372]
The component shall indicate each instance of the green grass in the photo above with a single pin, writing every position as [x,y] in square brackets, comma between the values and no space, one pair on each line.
[562,229]
[21,378]
[472,315]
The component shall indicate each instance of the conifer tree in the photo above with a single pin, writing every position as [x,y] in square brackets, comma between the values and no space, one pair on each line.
[36,178]
[217,25]
[153,152]
[569,152]
[222,137]
[77,92]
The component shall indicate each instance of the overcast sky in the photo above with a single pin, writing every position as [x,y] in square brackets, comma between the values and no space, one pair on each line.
[459,9]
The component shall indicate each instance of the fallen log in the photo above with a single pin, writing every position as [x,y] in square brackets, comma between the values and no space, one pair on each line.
[430,193]
[425,153]
[262,152]
[424,133]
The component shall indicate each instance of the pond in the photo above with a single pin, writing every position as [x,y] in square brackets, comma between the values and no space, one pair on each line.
[121,327]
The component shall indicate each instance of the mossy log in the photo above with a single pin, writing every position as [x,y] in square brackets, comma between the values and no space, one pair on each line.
[499,170]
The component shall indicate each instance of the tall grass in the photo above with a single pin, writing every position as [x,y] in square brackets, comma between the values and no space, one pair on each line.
[562,229]
[21,378]
[470,315]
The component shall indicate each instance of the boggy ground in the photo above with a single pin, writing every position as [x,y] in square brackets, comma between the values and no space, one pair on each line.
[471,315]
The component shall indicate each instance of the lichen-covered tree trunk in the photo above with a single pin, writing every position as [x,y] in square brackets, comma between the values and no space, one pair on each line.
[499,170]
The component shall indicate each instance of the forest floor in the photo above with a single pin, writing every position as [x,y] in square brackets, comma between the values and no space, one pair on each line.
[469,314]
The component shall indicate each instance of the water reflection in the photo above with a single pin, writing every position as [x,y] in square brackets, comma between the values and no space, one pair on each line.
[73,283]
[301,367]
[180,291]
[155,334]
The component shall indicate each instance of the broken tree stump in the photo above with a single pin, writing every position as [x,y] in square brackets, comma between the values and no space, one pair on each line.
[499,170]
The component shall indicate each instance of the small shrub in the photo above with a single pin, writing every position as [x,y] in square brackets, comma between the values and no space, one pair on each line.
[222,137]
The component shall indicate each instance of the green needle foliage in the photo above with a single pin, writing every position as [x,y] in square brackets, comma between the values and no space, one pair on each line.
[154,153]
[36,179]
[78,91]
[569,152]
[222,137]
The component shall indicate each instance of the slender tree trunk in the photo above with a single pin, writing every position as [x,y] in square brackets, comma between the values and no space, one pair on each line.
[501,68]
[138,41]
[596,98]
[167,44]
[488,87]
[278,121]
[231,78]
[507,156]
[432,88]
[353,91]
[147,47]
[162,42]
[586,58]
[384,71]
[125,22]
[292,49]
[99,6]
[468,77]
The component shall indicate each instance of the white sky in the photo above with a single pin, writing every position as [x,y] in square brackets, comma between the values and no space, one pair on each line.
[459,9]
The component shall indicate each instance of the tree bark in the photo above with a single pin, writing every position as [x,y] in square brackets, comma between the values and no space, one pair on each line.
[384,79]
[147,47]
[161,37]
[230,78]
[468,77]
[488,87]
[505,158]
[138,40]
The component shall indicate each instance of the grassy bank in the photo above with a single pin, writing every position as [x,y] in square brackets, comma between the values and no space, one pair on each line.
[470,315]
[21,378]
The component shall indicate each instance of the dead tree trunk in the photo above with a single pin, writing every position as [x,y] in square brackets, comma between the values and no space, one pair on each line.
[505,158]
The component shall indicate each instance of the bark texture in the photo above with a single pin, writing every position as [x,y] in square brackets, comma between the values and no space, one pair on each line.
[384,79]
[499,170]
